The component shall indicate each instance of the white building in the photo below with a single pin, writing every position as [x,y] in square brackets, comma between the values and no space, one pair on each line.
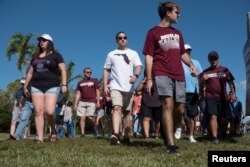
[246,53]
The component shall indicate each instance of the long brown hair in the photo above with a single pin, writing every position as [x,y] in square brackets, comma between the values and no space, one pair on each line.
[50,48]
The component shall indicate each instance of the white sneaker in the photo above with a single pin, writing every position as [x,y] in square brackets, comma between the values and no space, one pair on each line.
[192,140]
[177,134]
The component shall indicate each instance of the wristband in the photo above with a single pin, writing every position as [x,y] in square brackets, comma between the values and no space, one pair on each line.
[149,79]
[64,85]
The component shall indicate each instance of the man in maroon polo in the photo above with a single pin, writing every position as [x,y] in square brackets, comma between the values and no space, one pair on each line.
[87,98]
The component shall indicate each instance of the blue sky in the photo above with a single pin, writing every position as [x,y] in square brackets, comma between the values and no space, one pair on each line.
[84,31]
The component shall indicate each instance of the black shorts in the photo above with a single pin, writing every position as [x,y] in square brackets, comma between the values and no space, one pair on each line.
[216,107]
[191,107]
[151,112]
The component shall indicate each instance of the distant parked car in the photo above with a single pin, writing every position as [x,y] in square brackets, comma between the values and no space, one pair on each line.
[245,128]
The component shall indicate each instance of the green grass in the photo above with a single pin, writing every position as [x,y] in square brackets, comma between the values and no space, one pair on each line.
[98,152]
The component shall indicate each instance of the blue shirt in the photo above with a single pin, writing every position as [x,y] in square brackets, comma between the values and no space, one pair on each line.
[191,82]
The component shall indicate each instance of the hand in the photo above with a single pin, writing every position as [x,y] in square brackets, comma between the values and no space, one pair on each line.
[108,98]
[106,90]
[64,89]
[97,105]
[205,77]
[149,86]
[26,92]
[20,107]
[75,107]
[194,72]
[132,79]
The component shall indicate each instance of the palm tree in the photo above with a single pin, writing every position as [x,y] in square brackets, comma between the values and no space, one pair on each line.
[70,78]
[19,46]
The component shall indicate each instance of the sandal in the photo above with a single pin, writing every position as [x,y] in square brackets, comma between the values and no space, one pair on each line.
[53,138]
[39,142]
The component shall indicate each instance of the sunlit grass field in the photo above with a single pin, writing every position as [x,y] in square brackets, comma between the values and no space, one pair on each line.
[98,152]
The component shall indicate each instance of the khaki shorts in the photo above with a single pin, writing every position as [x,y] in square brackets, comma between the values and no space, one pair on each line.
[85,109]
[123,99]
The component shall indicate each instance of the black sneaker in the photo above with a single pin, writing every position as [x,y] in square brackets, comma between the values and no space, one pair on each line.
[114,139]
[126,141]
[169,146]
[82,136]
[172,149]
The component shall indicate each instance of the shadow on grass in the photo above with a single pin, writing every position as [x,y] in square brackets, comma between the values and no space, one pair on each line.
[226,139]
[151,143]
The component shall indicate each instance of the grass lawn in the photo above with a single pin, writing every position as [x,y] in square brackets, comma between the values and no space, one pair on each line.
[98,152]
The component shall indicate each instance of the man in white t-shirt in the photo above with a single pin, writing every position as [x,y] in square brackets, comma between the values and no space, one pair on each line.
[124,66]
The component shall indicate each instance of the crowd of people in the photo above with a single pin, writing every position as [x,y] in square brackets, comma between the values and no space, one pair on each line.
[173,92]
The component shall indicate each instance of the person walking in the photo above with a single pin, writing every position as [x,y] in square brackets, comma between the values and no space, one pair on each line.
[234,114]
[17,108]
[121,63]
[150,108]
[87,99]
[164,51]
[137,114]
[192,97]
[47,67]
[26,110]
[214,82]
[68,120]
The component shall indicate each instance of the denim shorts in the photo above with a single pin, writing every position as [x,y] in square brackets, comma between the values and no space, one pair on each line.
[99,112]
[16,114]
[55,90]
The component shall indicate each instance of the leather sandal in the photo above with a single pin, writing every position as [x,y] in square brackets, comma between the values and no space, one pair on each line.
[53,138]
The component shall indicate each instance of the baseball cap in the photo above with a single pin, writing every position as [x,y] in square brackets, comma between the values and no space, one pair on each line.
[22,81]
[187,47]
[45,36]
[213,55]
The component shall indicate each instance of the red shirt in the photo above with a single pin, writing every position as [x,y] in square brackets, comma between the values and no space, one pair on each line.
[137,104]
[166,45]
[88,88]
[216,82]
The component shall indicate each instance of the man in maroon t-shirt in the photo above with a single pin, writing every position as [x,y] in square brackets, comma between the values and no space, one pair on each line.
[214,80]
[164,51]
[87,99]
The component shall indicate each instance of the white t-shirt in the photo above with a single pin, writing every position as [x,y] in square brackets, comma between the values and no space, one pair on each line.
[67,114]
[122,71]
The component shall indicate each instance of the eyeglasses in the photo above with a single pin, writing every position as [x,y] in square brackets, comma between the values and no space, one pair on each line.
[120,38]
[88,72]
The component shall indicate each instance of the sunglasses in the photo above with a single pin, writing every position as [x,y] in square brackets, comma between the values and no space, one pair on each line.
[88,72]
[120,38]
[213,58]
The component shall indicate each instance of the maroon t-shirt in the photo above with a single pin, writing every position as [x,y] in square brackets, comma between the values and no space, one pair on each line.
[88,87]
[166,45]
[216,82]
